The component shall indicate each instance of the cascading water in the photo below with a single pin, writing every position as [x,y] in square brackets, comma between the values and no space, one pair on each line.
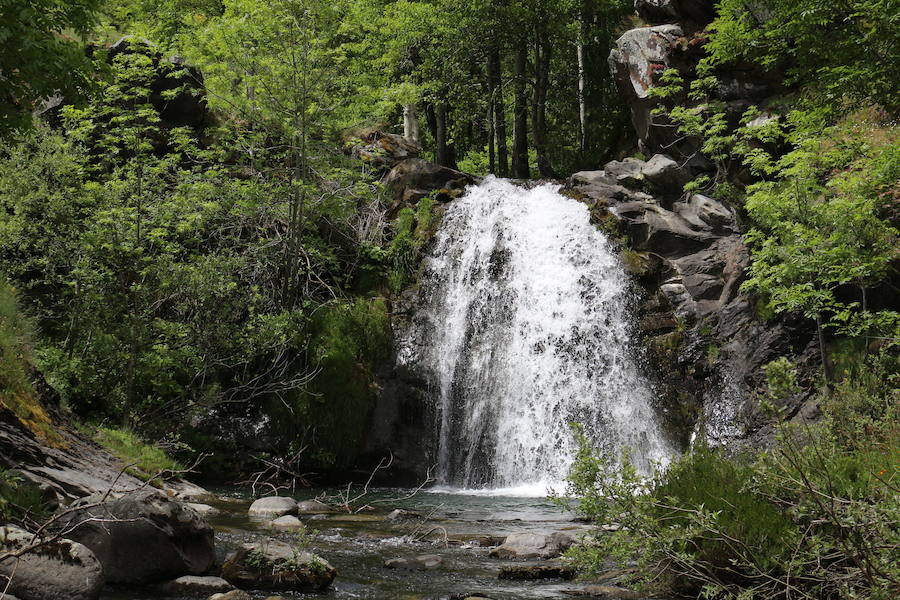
[522,327]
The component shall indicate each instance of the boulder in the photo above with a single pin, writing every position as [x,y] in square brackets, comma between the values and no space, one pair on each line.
[627,172]
[272,507]
[145,537]
[187,491]
[414,178]
[400,514]
[274,565]
[533,545]
[529,572]
[663,175]
[204,510]
[639,57]
[232,595]
[191,585]
[382,150]
[60,570]
[425,562]
[314,507]
[287,523]
[707,214]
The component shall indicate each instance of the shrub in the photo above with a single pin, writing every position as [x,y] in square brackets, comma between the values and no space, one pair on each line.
[815,517]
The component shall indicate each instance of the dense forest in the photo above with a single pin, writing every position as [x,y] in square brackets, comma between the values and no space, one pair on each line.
[190,235]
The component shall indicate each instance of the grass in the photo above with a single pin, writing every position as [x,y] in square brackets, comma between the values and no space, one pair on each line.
[146,459]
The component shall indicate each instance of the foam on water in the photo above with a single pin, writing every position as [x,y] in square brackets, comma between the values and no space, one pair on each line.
[523,327]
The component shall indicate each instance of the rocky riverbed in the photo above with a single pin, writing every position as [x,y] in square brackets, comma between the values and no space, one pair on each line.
[429,546]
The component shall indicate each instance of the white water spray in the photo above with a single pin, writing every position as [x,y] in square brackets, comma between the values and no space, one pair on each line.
[522,327]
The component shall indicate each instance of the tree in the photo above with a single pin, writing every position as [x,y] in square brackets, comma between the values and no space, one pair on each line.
[38,58]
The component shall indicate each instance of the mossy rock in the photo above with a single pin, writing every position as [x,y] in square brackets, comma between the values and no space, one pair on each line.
[274,565]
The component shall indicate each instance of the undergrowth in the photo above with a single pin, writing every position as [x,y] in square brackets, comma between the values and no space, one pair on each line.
[815,517]
[146,460]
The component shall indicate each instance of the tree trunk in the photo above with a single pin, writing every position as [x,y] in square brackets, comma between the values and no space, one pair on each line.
[826,367]
[411,123]
[582,101]
[499,128]
[443,151]
[491,135]
[539,101]
[520,120]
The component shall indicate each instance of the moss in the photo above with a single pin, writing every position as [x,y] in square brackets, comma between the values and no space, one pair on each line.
[351,339]
[635,263]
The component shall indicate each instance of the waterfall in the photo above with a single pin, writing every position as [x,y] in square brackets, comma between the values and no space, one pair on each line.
[522,326]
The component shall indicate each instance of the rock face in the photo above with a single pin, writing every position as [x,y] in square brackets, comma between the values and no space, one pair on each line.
[522,546]
[274,565]
[145,537]
[704,340]
[61,570]
[272,507]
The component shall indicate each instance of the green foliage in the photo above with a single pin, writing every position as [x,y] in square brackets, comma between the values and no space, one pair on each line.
[817,226]
[815,517]
[350,339]
[835,50]
[781,377]
[38,55]
[21,501]
[17,393]
[145,460]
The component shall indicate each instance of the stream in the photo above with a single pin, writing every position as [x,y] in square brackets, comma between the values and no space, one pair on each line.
[456,526]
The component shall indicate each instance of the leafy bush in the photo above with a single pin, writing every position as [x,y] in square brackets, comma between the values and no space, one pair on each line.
[816,517]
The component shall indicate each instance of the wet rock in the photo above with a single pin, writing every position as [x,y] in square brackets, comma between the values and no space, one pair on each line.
[487,541]
[272,507]
[533,545]
[286,523]
[400,514]
[191,585]
[61,570]
[425,562]
[145,537]
[530,572]
[232,595]
[314,507]
[415,178]
[274,565]
[205,510]
[610,592]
